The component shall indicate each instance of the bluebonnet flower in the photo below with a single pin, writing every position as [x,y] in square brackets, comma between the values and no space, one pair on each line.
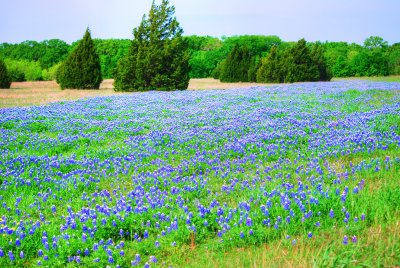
[354,239]
[331,213]
[11,256]
[345,240]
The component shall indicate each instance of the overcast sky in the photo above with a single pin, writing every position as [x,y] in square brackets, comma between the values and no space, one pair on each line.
[332,20]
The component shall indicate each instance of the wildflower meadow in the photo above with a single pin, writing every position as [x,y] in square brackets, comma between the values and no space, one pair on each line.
[180,178]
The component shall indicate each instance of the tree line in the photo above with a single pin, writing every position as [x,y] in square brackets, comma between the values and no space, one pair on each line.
[160,57]
[32,60]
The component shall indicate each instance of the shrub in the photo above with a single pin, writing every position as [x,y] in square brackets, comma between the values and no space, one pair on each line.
[23,70]
[51,73]
[82,68]
[5,79]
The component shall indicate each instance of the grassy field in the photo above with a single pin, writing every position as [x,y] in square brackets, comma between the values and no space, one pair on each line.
[298,175]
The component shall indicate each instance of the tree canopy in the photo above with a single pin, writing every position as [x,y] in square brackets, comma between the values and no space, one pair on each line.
[82,68]
[158,58]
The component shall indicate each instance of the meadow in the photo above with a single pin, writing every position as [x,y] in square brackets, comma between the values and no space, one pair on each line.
[291,175]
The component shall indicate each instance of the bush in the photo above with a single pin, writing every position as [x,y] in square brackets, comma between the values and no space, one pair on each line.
[5,79]
[51,73]
[82,68]
[158,57]
[23,70]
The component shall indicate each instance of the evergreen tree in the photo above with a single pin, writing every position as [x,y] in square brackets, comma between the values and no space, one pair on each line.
[82,68]
[5,79]
[270,70]
[317,56]
[254,66]
[158,57]
[298,65]
[237,65]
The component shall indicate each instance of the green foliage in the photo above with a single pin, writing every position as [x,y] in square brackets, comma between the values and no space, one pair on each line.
[51,73]
[299,65]
[47,52]
[237,65]
[208,53]
[375,58]
[394,59]
[23,70]
[295,64]
[158,57]
[318,58]
[270,70]
[5,79]
[110,51]
[255,64]
[375,42]
[82,67]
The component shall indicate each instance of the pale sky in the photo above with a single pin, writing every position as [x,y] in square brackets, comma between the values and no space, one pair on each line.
[332,20]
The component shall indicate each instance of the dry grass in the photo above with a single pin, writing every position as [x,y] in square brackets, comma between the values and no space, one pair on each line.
[44,92]
[40,93]
[210,83]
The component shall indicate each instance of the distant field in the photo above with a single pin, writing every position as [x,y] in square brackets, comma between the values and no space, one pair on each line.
[40,93]
[392,78]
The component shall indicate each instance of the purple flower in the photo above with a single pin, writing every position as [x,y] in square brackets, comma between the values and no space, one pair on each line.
[11,256]
[21,255]
[110,259]
[354,239]
[137,258]
[241,235]
[331,213]
[345,240]
[153,259]
[249,222]
[310,235]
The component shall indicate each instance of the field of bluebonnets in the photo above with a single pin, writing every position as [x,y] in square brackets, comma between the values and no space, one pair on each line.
[176,178]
